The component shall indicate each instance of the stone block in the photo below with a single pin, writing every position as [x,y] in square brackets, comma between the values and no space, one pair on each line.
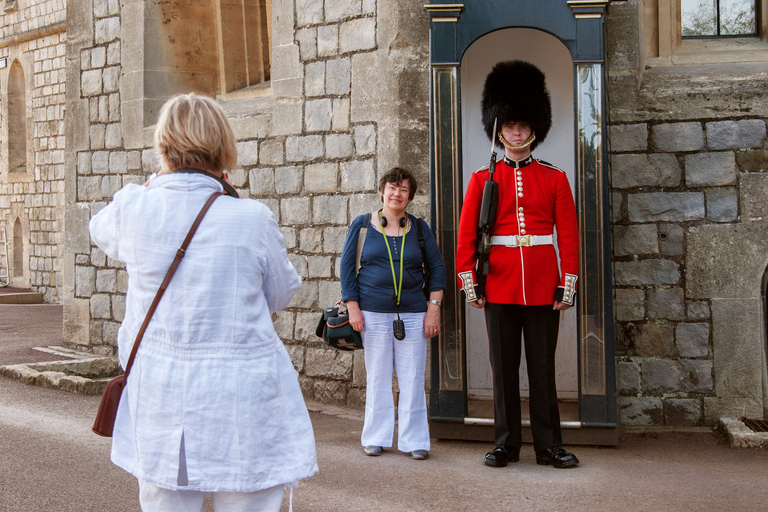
[287,118]
[710,169]
[628,375]
[299,262]
[330,289]
[327,40]
[337,10]
[358,176]
[296,353]
[647,272]
[111,79]
[113,137]
[85,281]
[106,281]
[662,376]
[668,303]
[338,77]
[673,137]
[91,82]
[261,182]
[329,210]
[89,188]
[97,136]
[641,411]
[698,376]
[617,202]
[333,239]
[671,239]
[358,34]
[692,339]
[697,310]
[356,397]
[328,363]
[118,160]
[752,160]
[284,322]
[295,210]
[106,30]
[731,407]
[288,180]
[311,240]
[364,203]
[306,297]
[653,340]
[666,206]
[340,120]
[747,133]
[247,153]
[319,266]
[317,115]
[654,170]
[753,191]
[321,177]
[683,412]
[635,239]
[365,139]
[629,137]
[314,79]
[289,237]
[271,152]
[304,149]
[118,307]
[338,146]
[306,324]
[330,391]
[308,12]
[307,39]
[629,304]
[100,306]
[737,334]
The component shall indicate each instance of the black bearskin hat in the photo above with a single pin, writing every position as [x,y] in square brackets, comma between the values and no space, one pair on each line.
[516,91]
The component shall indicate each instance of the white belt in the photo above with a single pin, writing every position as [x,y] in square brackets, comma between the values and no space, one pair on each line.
[522,240]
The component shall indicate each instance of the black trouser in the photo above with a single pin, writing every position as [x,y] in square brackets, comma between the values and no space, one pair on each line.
[539,325]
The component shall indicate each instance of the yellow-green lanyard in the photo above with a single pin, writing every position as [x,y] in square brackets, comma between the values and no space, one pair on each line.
[398,288]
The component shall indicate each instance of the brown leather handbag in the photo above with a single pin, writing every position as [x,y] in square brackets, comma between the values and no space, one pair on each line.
[110,399]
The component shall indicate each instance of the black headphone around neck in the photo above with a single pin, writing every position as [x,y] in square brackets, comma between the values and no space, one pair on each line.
[383,220]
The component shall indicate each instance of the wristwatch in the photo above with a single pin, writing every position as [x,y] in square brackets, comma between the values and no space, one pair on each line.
[435,302]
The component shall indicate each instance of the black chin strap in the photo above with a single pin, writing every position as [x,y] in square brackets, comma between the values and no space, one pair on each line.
[228,189]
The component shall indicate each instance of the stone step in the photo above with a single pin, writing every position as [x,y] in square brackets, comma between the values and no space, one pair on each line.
[21,298]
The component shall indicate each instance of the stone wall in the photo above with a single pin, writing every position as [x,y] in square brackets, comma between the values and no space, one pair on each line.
[688,155]
[344,74]
[32,36]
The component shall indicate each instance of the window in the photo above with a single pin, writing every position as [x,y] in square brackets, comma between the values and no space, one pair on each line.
[18,249]
[718,18]
[17,120]
[245,34]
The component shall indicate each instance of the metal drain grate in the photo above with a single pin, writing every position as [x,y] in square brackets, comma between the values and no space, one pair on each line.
[756,425]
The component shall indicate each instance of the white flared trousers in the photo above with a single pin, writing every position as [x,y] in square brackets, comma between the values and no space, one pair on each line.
[408,357]
[156,499]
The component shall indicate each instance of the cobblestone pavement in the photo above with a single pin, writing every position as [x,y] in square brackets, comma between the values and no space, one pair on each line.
[51,462]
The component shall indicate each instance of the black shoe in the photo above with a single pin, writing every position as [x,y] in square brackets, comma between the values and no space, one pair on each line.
[500,455]
[556,456]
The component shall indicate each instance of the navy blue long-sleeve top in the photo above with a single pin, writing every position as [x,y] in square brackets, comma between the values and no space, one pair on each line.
[373,287]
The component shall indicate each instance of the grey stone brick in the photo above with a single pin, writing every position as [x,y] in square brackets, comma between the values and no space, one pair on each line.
[692,339]
[238,177]
[330,391]
[369,6]
[106,30]
[319,266]
[262,182]
[365,139]
[295,210]
[327,40]
[110,79]
[271,152]
[110,185]
[118,161]
[683,412]
[96,135]
[340,121]
[304,149]
[359,34]
[754,189]
[666,206]
[89,188]
[296,353]
[647,272]
[284,322]
[330,290]
[666,303]
[749,133]
[317,115]
[85,281]
[321,177]
[100,306]
[641,411]
[328,363]
[248,153]
[306,297]
[710,169]
[98,57]
[299,262]
[100,162]
[630,304]
[671,238]
[329,210]
[118,307]
[358,176]
[617,201]
[629,137]
[307,39]
[113,53]
[314,79]
[122,281]
[722,204]
[628,378]
[333,239]
[698,376]
[654,170]
[697,310]
[113,137]
[83,163]
[673,137]
[636,239]
[289,237]
[90,82]
[311,240]
[288,180]
[654,340]
[98,257]
[338,145]
[662,376]
[336,10]
[308,12]
[338,77]
[110,333]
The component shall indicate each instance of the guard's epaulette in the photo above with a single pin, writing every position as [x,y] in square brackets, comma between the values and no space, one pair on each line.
[483,168]
[547,164]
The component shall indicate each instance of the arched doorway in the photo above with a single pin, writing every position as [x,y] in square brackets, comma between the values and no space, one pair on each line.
[18,249]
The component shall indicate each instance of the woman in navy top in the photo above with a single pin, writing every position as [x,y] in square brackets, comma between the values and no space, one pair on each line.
[386,298]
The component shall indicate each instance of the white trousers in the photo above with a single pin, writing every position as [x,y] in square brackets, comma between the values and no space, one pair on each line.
[156,499]
[408,357]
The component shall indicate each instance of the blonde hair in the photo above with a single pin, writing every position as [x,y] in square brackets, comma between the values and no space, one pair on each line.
[193,131]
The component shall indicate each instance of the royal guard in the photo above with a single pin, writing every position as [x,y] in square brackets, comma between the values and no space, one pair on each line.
[507,263]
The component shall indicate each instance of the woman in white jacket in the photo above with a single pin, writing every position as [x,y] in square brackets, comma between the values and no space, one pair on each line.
[212,403]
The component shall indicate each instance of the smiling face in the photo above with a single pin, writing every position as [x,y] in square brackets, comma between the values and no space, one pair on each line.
[396,196]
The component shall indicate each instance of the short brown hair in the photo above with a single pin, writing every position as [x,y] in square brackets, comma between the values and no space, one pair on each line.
[399,175]
[193,131]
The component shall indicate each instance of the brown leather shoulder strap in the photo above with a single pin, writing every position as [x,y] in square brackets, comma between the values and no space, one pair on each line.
[172,270]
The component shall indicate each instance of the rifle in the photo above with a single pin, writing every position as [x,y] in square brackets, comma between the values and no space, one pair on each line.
[486,221]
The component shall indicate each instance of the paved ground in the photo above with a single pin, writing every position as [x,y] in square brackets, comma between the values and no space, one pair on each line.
[51,462]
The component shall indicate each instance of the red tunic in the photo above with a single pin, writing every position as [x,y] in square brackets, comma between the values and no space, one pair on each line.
[534,199]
